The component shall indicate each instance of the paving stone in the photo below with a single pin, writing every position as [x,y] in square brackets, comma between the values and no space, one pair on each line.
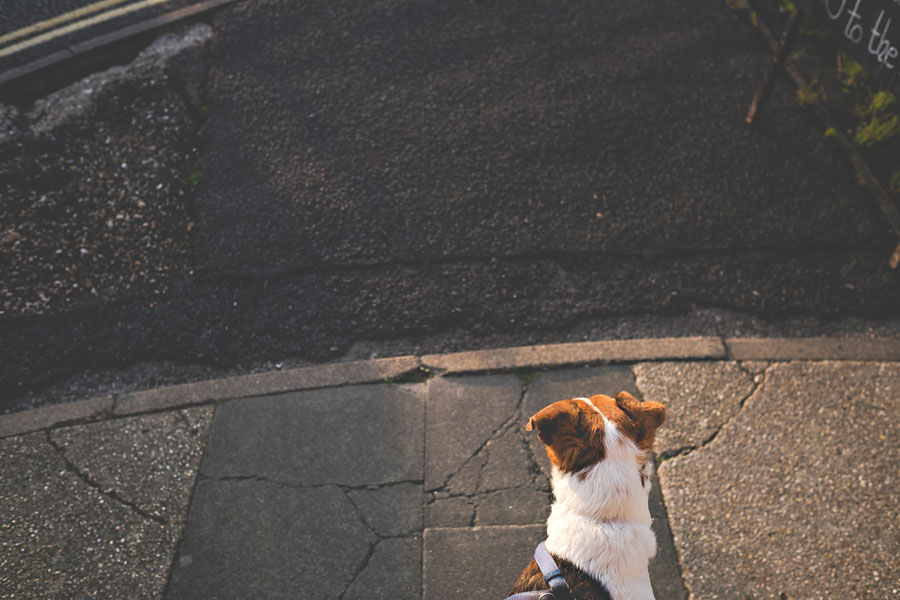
[257,539]
[476,562]
[357,435]
[699,398]
[463,414]
[797,494]
[450,512]
[570,383]
[465,481]
[508,463]
[394,572]
[61,537]
[517,506]
[391,510]
[150,461]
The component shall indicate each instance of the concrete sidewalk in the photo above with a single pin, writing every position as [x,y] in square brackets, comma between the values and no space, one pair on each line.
[413,477]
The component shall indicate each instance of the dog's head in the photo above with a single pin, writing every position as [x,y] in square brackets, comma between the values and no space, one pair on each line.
[575,431]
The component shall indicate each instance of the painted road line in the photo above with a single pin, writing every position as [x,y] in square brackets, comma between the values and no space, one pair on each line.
[107,40]
[58,20]
[102,17]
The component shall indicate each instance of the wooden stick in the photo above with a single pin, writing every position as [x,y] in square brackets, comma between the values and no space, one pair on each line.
[765,85]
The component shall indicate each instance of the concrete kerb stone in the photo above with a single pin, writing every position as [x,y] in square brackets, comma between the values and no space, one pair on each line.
[59,414]
[819,348]
[502,359]
[558,355]
[265,384]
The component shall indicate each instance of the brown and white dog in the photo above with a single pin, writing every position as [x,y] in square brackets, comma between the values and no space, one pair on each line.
[599,526]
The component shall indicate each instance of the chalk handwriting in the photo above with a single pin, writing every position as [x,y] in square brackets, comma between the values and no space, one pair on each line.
[856,25]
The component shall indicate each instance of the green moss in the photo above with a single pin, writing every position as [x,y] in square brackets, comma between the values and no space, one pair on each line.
[851,72]
[895,181]
[527,376]
[879,119]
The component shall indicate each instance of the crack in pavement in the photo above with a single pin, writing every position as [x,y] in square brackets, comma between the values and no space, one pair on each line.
[496,433]
[473,498]
[758,379]
[111,493]
[311,486]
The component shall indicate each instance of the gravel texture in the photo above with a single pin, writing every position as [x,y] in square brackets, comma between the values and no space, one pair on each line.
[150,461]
[95,511]
[95,181]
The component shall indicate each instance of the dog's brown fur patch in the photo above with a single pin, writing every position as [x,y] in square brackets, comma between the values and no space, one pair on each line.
[572,432]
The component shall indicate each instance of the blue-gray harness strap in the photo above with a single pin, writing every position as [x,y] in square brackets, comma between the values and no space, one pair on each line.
[559,590]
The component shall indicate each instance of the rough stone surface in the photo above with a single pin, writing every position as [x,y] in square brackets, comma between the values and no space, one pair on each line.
[62,537]
[257,539]
[356,435]
[150,461]
[394,571]
[390,510]
[699,398]
[476,562]
[796,496]
[570,383]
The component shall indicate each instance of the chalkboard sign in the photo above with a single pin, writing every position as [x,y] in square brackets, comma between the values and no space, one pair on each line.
[868,30]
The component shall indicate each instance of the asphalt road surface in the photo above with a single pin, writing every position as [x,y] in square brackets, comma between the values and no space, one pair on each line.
[386,177]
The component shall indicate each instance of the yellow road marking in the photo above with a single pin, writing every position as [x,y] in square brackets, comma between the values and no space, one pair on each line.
[59,19]
[105,16]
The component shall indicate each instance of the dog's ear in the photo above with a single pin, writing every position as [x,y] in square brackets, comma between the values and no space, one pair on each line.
[549,420]
[646,417]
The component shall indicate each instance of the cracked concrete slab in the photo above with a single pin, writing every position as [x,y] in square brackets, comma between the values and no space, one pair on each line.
[354,435]
[390,510]
[150,461]
[476,562]
[463,414]
[700,397]
[63,538]
[258,539]
[478,458]
[394,572]
[796,496]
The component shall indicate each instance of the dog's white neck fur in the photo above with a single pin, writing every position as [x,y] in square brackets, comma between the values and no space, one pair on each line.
[600,520]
